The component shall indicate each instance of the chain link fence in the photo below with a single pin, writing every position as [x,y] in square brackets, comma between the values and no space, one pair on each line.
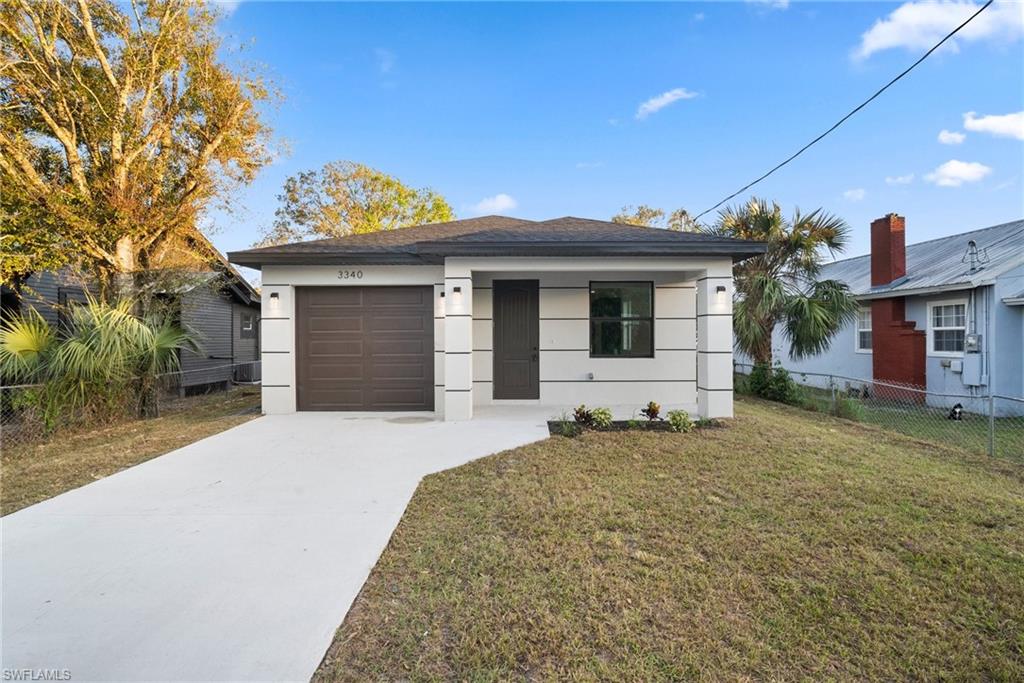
[984,425]
[26,418]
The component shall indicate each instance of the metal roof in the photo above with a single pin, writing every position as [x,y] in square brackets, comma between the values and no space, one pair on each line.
[500,236]
[939,264]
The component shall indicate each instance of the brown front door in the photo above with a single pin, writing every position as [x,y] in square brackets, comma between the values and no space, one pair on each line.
[516,339]
[364,348]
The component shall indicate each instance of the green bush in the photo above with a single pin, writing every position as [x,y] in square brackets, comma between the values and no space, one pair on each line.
[104,365]
[566,426]
[850,409]
[679,421]
[601,417]
[774,384]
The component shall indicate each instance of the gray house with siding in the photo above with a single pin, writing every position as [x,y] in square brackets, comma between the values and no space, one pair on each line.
[946,315]
[219,306]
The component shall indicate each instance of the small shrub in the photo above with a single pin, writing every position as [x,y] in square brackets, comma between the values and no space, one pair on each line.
[583,416]
[679,421]
[566,427]
[633,424]
[601,417]
[705,422]
[652,412]
[774,384]
[850,409]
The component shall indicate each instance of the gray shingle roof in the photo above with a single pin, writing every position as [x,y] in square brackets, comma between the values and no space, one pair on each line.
[939,264]
[499,236]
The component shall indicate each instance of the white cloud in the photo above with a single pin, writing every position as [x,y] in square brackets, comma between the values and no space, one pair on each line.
[499,203]
[699,16]
[772,4]
[919,25]
[949,137]
[385,60]
[659,102]
[955,173]
[899,179]
[1005,125]
[854,195]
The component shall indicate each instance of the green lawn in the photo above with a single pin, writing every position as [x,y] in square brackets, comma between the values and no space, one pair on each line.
[786,545]
[927,423]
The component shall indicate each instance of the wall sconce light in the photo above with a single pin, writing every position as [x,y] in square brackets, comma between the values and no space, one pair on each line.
[442,295]
[457,295]
[720,289]
[275,299]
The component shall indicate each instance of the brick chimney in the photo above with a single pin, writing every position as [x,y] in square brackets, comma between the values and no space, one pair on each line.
[898,353]
[888,249]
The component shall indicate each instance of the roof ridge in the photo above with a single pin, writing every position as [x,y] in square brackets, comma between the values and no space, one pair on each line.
[934,239]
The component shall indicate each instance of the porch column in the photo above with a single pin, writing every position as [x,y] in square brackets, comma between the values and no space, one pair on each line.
[458,344]
[714,345]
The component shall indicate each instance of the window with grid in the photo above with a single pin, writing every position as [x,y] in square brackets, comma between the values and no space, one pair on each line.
[864,329]
[621,319]
[948,326]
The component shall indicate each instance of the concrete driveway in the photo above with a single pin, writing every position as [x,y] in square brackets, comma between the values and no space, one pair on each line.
[235,558]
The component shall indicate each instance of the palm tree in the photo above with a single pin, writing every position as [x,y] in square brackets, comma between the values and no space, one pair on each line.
[105,359]
[781,287]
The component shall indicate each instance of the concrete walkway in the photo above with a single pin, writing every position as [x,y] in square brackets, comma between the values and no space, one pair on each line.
[234,558]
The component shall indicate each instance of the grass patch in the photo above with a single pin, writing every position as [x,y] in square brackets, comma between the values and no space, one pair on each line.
[784,546]
[924,422]
[35,472]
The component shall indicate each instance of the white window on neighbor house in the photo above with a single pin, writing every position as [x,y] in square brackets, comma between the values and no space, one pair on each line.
[864,330]
[947,328]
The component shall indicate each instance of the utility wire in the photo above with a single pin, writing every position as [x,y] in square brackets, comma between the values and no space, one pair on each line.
[857,109]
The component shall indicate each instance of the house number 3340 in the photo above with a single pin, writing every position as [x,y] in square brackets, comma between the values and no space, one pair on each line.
[350,275]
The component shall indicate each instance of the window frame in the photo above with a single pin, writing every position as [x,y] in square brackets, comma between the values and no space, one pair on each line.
[591,319]
[857,329]
[931,328]
[247,332]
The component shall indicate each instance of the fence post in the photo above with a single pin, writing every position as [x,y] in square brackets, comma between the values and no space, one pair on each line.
[991,422]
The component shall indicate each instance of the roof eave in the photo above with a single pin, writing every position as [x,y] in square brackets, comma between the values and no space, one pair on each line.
[257,261]
[917,291]
[737,250]
[432,253]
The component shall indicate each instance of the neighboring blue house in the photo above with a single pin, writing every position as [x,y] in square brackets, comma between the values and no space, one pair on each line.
[946,314]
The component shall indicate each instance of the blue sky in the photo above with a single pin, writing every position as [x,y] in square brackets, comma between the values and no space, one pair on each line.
[542,106]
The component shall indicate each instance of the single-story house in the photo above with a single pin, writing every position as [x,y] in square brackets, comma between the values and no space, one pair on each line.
[946,315]
[215,302]
[499,310]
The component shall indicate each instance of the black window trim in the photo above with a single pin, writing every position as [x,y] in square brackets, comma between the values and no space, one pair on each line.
[591,318]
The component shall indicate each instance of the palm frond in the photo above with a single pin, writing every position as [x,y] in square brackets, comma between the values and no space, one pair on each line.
[25,342]
[812,319]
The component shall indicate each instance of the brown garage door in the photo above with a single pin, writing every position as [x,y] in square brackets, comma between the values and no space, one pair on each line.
[365,348]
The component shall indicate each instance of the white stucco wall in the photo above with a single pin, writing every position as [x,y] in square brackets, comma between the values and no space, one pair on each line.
[691,367]
[670,377]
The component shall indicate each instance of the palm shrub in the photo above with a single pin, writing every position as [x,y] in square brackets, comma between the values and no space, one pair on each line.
[104,363]
[781,286]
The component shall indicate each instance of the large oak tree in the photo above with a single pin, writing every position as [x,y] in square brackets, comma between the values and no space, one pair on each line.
[120,122]
[345,198]
[650,217]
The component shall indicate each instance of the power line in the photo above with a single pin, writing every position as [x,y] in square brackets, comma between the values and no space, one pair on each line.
[854,111]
